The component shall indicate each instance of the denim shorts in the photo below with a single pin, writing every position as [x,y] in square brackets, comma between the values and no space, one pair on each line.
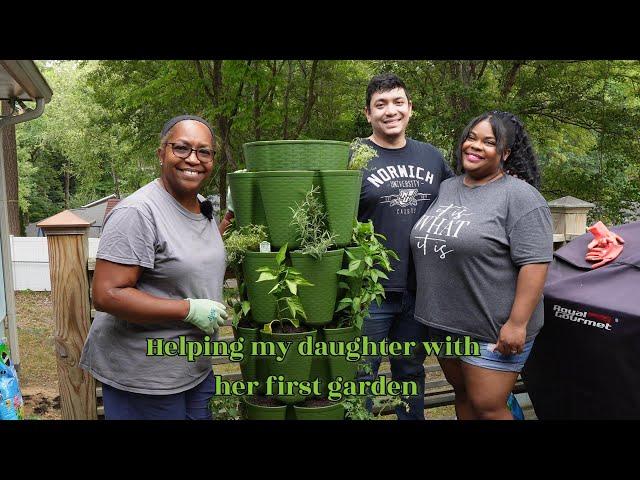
[487,359]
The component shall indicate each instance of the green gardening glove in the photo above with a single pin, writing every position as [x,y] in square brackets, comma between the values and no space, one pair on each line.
[207,315]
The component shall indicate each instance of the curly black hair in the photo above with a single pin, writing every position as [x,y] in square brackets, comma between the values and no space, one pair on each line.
[522,162]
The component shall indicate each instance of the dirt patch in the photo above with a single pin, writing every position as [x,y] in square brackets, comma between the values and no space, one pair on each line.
[41,403]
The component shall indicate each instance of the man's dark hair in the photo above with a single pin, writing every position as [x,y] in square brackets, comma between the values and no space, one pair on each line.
[383,83]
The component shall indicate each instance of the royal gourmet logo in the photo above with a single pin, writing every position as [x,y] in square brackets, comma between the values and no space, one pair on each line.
[592,319]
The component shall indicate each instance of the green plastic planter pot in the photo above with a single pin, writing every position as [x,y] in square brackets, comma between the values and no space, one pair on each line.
[281,191]
[246,199]
[296,155]
[341,195]
[318,301]
[340,366]
[294,366]
[262,412]
[320,368]
[253,368]
[330,412]
[263,305]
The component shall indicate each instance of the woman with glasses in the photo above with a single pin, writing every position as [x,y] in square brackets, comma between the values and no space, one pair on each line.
[158,279]
[481,253]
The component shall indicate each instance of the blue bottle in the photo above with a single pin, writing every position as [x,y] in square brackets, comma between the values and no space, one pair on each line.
[514,407]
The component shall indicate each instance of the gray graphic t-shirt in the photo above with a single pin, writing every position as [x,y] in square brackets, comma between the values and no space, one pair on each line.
[183,257]
[468,248]
[397,187]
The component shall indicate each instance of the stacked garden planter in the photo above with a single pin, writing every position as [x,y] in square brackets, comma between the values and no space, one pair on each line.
[279,175]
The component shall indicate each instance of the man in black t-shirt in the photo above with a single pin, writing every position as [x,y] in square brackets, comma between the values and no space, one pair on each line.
[397,188]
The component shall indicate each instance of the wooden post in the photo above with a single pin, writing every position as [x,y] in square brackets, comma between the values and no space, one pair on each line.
[67,239]
[569,218]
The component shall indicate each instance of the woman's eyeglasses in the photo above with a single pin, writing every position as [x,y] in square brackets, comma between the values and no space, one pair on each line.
[183,150]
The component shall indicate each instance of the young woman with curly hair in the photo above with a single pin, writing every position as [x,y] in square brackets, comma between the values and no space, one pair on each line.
[481,253]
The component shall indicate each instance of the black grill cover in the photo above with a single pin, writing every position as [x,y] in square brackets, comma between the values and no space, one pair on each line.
[585,362]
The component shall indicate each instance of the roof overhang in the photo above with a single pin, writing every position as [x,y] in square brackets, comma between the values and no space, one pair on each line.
[21,79]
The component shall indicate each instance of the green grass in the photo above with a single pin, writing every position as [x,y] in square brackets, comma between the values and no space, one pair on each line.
[36,330]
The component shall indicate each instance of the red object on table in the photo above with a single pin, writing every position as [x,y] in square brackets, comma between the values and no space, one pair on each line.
[605,247]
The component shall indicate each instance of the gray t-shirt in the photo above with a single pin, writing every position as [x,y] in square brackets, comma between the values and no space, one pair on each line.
[468,248]
[183,257]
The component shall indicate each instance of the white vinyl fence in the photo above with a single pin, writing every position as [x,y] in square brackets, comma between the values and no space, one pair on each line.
[30,257]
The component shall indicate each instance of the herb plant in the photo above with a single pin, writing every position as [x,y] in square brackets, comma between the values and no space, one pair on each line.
[310,220]
[238,241]
[361,154]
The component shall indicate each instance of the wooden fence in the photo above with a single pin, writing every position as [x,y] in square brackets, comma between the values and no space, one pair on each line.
[71,273]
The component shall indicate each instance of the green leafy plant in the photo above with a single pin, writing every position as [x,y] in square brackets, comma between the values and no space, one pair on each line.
[356,406]
[236,298]
[285,290]
[380,404]
[364,275]
[361,154]
[310,220]
[225,407]
[356,409]
[238,241]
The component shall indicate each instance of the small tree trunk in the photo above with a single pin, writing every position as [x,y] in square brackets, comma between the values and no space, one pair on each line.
[285,132]
[11,173]
[66,188]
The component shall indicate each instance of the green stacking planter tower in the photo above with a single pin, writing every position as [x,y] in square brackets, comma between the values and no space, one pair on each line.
[246,198]
[339,366]
[294,367]
[279,175]
[319,301]
[341,193]
[281,191]
[263,305]
[334,411]
[260,412]
[296,155]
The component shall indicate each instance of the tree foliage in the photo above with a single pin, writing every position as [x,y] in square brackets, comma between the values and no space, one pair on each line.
[99,134]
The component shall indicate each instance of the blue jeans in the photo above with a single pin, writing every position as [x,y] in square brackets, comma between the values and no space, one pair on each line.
[486,358]
[192,404]
[394,320]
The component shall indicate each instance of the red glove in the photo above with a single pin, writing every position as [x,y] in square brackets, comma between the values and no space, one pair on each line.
[605,247]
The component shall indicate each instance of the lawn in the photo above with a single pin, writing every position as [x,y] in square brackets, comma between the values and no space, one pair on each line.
[38,369]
